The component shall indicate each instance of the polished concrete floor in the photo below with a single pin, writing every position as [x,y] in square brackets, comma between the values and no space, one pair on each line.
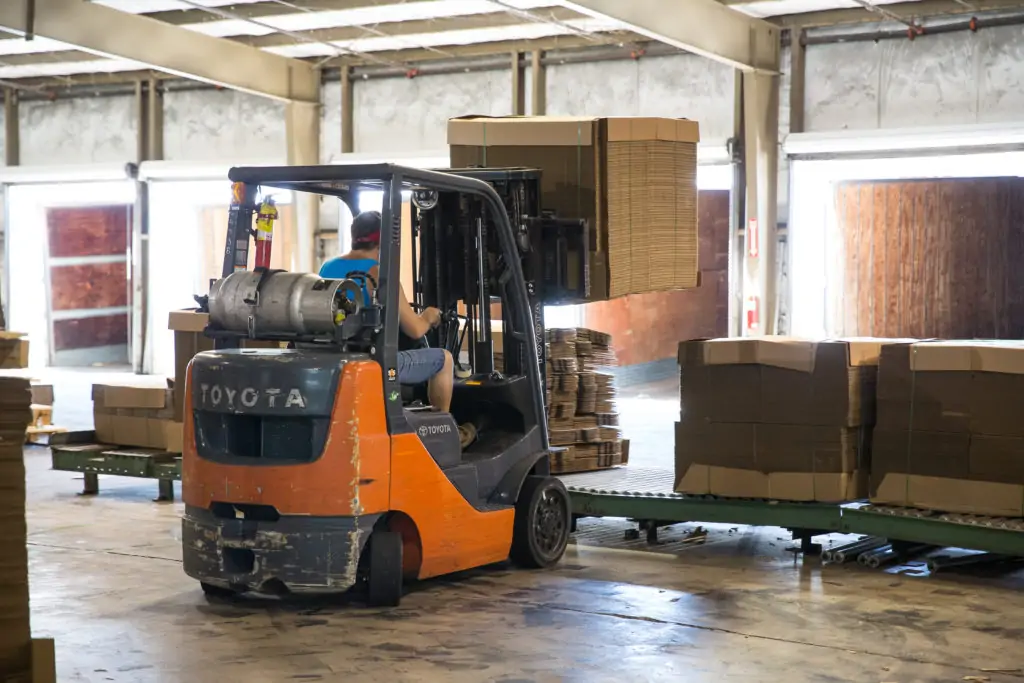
[107,584]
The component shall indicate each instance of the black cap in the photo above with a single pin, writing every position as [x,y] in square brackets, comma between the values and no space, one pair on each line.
[366,229]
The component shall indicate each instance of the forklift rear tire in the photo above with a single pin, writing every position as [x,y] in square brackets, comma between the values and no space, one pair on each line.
[541,528]
[385,569]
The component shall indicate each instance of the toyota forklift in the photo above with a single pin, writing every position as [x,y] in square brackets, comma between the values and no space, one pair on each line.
[307,467]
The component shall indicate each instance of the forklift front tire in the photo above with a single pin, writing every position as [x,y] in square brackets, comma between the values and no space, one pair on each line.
[385,569]
[541,528]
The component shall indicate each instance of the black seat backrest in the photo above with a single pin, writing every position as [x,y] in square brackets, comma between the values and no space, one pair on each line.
[439,434]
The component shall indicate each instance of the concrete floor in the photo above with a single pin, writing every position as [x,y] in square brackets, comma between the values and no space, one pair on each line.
[107,584]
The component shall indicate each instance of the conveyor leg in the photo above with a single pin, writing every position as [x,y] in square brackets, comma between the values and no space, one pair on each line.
[92,484]
[166,490]
[572,524]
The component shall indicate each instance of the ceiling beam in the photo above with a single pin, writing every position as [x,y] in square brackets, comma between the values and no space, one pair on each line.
[907,10]
[705,27]
[106,32]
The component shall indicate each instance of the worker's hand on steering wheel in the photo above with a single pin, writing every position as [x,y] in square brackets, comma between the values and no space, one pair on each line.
[431,315]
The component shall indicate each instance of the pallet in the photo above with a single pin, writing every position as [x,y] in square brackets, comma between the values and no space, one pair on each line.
[79,452]
[41,424]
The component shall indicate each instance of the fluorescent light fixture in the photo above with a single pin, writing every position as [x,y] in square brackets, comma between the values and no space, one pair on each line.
[360,16]
[528,31]
[71,173]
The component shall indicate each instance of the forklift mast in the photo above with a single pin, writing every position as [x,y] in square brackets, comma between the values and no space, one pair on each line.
[479,237]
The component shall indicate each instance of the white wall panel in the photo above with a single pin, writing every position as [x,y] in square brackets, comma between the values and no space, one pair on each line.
[330,121]
[224,126]
[944,79]
[411,114]
[78,131]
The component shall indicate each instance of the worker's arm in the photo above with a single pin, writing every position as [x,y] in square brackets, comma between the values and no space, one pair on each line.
[412,324]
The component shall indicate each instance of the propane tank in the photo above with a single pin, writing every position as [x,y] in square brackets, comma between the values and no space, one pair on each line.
[282,303]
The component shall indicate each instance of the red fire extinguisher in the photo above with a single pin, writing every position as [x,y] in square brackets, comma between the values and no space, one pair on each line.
[753,311]
[265,232]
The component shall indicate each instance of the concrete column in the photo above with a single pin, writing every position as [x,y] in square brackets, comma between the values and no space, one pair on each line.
[518,85]
[303,140]
[12,131]
[761,162]
[797,73]
[539,78]
[348,137]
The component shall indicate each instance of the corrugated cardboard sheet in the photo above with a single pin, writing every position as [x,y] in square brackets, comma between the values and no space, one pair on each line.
[950,435]
[632,178]
[777,418]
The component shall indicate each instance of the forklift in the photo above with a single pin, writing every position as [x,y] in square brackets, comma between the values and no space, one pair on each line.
[307,467]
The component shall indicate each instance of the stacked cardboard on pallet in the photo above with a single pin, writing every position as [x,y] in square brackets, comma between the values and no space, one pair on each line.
[21,658]
[776,418]
[634,180]
[140,416]
[581,401]
[13,350]
[949,434]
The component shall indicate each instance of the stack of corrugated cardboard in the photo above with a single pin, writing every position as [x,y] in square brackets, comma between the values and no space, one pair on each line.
[589,434]
[140,416]
[634,179]
[20,656]
[13,350]
[950,435]
[776,418]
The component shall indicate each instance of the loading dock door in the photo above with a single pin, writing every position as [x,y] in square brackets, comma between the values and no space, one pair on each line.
[88,284]
[930,258]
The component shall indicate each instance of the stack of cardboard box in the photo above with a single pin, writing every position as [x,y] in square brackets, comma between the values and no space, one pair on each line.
[634,180]
[22,658]
[776,418]
[140,416]
[949,434]
[581,405]
[15,633]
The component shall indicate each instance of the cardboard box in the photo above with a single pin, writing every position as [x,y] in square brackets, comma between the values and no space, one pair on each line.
[779,380]
[949,435]
[188,326]
[42,394]
[173,436]
[132,415]
[634,180]
[13,350]
[778,462]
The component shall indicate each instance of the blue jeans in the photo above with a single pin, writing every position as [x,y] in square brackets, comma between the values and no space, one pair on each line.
[419,365]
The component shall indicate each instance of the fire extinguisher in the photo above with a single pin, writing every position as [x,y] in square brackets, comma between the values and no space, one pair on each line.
[265,232]
[753,311]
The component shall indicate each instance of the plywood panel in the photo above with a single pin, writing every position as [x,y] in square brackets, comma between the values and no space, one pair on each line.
[88,231]
[84,333]
[649,327]
[933,258]
[96,285]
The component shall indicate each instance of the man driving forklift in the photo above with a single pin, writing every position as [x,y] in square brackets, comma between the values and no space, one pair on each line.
[415,366]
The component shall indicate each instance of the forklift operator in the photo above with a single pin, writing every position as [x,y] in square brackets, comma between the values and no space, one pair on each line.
[416,366]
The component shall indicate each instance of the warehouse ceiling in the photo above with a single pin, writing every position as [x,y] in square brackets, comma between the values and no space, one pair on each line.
[400,33]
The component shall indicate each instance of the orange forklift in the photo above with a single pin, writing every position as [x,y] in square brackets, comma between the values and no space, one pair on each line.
[309,468]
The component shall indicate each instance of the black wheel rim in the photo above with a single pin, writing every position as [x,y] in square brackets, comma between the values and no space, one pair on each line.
[550,523]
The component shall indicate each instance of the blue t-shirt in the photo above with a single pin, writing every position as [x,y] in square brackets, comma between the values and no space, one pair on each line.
[339,268]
